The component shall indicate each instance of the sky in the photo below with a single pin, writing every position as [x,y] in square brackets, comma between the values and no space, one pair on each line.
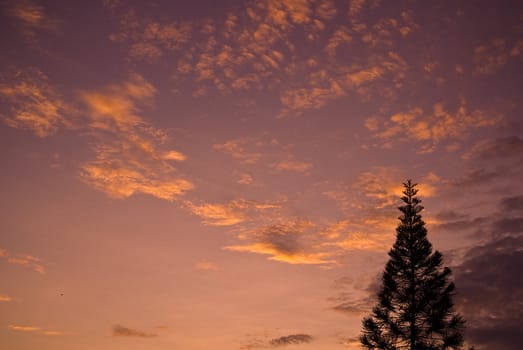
[226,174]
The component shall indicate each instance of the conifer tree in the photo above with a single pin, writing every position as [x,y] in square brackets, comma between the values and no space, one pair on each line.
[414,309]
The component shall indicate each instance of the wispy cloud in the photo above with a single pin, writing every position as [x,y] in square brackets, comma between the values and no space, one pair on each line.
[30,18]
[291,339]
[494,148]
[263,340]
[121,331]
[25,260]
[237,149]
[230,213]
[33,329]
[206,265]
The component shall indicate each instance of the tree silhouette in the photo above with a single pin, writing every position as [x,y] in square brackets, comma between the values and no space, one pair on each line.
[415,309]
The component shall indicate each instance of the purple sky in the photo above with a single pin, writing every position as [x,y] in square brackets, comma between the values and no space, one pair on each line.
[225,174]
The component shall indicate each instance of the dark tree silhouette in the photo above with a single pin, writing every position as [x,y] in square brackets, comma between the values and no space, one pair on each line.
[415,309]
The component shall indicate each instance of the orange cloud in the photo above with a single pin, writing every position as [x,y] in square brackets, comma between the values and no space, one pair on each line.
[245,179]
[493,56]
[129,154]
[5,298]
[206,266]
[341,36]
[24,260]
[289,241]
[293,165]
[431,129]
[236,149]
[33,329]
[220,214]
[231,213]
[120,180]
[30,18]
[35,105]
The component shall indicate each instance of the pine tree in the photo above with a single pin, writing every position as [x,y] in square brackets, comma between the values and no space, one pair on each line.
[415,309]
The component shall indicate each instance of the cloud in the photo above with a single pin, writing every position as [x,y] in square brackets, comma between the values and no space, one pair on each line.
[431,129]
[230,213]
[291,339]
[489,292]
[33,329]
[511,146]
[23,328]
[245,179]
[355,296]
[339,37]
[206,265]
[513,203]
[254,50]
[293,165]
[476,177]
[494,55]
[5,298]
[289,241]
[35,105]
[220,214]
[25,260]
[30,18]
[120,331]
[130,156]
[237,149]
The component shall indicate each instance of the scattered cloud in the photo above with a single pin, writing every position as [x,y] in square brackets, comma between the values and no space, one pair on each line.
[35,104]
[291,339]
[33,329]
[237,149]
[120,331]
[493,56]
[254,50]
[25,260]
[430,129]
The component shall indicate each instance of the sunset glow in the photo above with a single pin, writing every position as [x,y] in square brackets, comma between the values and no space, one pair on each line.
[226,174]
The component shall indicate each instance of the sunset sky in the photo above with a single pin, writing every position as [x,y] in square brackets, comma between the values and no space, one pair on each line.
[226,174]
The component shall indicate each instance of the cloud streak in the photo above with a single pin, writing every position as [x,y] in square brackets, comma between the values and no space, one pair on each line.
[121,331]
[25,260]
[33,329]
[291,339]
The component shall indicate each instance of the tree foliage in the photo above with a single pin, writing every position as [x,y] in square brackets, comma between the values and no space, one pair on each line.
[414,309]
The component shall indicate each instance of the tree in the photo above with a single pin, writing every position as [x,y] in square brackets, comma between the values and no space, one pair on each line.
[414,309]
